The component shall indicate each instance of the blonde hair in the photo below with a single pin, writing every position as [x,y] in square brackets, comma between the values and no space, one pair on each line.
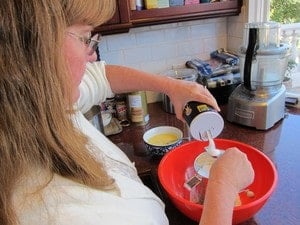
[35,129]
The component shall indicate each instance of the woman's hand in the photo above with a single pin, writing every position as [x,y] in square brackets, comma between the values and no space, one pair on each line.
[229,174]
[181,92]
[232,169]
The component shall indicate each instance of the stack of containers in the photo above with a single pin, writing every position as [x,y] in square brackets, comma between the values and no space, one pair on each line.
[163,3]
[189,2]
[152,4]
[176,2]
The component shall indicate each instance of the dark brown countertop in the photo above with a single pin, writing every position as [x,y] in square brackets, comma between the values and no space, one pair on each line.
[280,143]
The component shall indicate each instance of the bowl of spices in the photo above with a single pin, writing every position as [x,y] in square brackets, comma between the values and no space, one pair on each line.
[160,140]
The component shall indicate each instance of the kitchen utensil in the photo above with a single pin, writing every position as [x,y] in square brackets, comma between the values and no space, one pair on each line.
[260,100]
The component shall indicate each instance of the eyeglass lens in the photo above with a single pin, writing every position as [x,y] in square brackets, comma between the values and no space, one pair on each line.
[93,45]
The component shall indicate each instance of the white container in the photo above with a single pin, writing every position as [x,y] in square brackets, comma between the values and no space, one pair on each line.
[140,4]
[201,119]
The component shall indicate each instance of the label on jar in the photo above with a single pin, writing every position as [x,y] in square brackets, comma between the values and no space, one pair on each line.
[121,110]
[121,107]
[138,107]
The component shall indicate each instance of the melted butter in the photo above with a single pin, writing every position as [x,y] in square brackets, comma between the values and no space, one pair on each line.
[163,139]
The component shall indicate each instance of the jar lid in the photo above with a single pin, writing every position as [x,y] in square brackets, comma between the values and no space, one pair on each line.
[182,74]
[206,121]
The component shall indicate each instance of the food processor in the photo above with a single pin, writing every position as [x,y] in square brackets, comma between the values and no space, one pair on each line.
[259,101]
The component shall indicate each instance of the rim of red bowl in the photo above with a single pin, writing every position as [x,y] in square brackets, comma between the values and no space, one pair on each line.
[236,208]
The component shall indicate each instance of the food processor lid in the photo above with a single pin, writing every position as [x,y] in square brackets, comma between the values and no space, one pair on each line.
[268,38]
[263,25]
[283,49]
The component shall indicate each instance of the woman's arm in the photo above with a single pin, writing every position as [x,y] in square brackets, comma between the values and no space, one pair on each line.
[124,79]
[229,174]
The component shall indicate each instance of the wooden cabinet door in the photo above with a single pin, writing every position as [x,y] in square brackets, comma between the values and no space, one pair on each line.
[120,22]
[125,18]
[185,13]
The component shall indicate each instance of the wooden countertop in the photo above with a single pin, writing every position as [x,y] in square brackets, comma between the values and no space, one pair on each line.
[280,144]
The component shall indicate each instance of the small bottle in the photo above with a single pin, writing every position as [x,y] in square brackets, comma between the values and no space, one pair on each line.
[137,106]
[110,106]
[201,119]
[140,4]
[121,109]
[132,4]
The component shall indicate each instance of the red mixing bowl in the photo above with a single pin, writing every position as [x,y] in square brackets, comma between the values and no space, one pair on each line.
[176,164]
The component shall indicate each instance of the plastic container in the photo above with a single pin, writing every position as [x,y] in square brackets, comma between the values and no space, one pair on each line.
[181,74]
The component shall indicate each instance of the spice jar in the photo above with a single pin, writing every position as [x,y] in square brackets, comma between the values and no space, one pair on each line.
[201,119]
[137,107]
[121,109]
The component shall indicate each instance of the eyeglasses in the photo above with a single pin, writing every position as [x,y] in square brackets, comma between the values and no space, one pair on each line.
[91,42]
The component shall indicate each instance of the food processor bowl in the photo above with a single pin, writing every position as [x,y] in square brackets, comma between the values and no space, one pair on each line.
[263,59]
[268,67]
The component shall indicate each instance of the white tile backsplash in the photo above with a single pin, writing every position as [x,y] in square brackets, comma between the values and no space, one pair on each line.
[157,48]
[176,34]
[137,55]
[150,37]
[235,28]
[164,43]
[204,30]
[192,47]
[122,41]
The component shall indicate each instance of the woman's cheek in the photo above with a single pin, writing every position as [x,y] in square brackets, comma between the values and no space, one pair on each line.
[77,66]
[76,77]
[77,74]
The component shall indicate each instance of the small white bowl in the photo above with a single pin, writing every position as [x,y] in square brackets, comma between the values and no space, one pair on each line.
[162,149]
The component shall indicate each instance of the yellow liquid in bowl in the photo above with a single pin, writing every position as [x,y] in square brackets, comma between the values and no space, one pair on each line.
[163,139]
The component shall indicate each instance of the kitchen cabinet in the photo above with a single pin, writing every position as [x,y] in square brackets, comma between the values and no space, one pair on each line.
[120,22]
[125,18]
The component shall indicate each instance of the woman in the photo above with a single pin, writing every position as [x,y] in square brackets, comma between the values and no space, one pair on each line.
[54,166]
